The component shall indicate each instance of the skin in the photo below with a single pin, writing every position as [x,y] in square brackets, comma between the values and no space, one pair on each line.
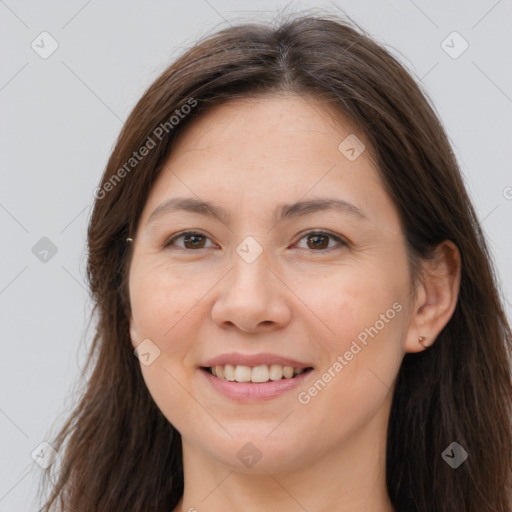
[295,300]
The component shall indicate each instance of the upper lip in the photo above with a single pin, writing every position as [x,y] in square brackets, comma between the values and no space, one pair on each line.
[253,360]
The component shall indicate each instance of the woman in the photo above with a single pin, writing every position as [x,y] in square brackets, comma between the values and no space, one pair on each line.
[283,239]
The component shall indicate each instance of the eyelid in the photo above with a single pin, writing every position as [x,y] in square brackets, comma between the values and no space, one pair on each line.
[180,234]
[341,242]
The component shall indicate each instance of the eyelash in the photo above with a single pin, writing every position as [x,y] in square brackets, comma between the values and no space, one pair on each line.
[340,241]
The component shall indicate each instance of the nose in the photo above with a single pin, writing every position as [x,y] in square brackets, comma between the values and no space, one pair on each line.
[252,298]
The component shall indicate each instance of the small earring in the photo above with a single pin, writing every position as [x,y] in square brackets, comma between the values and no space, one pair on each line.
[422,339]
[129,240]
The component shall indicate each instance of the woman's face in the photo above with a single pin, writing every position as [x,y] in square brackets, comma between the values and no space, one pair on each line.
[267,285]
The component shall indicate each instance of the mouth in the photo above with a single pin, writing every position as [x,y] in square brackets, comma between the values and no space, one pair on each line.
[255,374]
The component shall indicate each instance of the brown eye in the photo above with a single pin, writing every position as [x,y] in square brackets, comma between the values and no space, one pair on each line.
[316,241]
[191,240]
[195,241]
[319,241]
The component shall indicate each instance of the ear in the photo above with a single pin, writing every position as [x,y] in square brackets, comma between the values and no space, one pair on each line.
[435,298]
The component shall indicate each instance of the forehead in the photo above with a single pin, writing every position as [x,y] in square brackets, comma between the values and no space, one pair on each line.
[279,138]
[254,153]
[268,125]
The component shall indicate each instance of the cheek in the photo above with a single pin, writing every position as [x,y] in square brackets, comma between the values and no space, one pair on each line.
[161,301]
[168,386]
[355,298]
[163,307]
[366,318]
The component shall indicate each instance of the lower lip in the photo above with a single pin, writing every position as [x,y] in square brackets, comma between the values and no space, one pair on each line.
[249,391]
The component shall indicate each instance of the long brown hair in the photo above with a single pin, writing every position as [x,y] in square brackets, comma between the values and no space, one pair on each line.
[118,451]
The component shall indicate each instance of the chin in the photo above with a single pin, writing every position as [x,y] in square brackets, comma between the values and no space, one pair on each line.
[254,450]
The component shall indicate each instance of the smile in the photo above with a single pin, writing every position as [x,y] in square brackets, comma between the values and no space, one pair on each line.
[256,374]
[248,390]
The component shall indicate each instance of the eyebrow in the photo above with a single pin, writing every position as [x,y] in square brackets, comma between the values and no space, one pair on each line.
[282,211]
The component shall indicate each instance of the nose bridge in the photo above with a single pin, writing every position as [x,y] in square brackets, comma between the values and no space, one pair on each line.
[250,273]
[251,294]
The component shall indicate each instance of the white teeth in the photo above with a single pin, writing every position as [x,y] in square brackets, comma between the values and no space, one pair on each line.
[229,372]
[219,371]
[288,372]
[276,372]
[261,373]
[243,373]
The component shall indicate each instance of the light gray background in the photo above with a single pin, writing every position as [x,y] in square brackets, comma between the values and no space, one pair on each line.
[60,117]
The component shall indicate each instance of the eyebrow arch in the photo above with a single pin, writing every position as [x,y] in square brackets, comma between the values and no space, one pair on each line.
[282,211]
